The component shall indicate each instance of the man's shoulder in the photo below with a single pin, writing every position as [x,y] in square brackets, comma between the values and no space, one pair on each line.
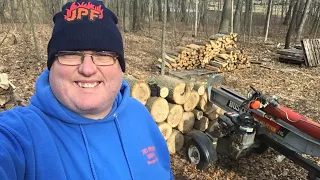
[17,118]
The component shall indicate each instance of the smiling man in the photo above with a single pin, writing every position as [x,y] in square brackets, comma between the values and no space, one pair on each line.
[81,122]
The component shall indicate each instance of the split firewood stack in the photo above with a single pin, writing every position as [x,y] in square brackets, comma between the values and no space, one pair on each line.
[8,99]
[177,106]
[219,53]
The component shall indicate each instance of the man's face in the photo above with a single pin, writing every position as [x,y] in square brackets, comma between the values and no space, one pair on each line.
[86,89]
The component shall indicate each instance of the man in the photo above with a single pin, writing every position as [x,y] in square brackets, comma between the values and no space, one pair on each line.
[81,122]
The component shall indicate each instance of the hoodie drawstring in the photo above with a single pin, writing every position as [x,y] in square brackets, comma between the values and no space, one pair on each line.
[122,145]
[89,154]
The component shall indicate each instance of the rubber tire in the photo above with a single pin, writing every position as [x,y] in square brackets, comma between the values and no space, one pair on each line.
[204,162]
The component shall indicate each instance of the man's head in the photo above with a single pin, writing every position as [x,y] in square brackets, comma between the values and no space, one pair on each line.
[85,25]
[85,58]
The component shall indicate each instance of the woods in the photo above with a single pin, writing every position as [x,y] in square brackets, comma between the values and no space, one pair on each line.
[136,15]
[184,35]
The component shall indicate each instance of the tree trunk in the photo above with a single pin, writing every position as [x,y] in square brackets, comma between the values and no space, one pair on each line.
[237,16]
[267,22]
[136,16]
[289,13]
[225,18]
[168,12]
[164,32]
[301,7]
[160,10]
[33,31]
[3,4]
[250,20]
[292,25]
[246,19]
[232,17]
[150,19]
[196,19]
[183,11]
[304,18]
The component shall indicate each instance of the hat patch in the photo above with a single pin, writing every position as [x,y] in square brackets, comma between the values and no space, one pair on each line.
[79,10]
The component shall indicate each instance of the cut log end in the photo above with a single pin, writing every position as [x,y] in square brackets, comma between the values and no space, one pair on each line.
[187,122]
[159,108]
[175,141]
[141,92]
[165,129]
[175,114]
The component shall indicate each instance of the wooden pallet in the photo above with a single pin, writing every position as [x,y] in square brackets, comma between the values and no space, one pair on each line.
[292,56]
[311,48]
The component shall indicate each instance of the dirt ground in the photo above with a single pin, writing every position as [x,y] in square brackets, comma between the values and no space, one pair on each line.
[296,87]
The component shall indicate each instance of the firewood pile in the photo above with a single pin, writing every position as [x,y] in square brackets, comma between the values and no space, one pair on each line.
[177,106]
[219,53]
[8,99]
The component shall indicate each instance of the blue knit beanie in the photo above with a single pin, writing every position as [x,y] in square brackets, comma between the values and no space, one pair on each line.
[85,25]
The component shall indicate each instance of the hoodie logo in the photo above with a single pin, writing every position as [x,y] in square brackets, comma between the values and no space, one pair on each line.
[78,10]
[150,153]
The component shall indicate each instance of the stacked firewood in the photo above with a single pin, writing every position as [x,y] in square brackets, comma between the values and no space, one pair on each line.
[176,105]
[219,53]
[8,98]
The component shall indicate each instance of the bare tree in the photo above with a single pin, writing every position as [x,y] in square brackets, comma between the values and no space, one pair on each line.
[225,18]
[237,16]
[183,10]
[292,25]
[164,31]
[3,4]
[136,17]
[267,22]
[33,31]
[160,10]
[289,13]
[196,19]
[303,18]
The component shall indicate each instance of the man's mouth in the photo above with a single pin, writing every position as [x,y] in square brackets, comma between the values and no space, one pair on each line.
[87,85]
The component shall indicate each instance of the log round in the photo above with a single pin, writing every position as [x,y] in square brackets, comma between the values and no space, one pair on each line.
[175,114]
[187,122]
[158,108]
[192,101]
[179,90]
[139,90]
[175,141]
[165,129]
[202,102]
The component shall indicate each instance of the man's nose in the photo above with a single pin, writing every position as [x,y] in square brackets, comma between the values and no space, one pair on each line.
[87,68]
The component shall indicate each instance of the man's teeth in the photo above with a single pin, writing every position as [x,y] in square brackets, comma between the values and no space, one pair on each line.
[88,85]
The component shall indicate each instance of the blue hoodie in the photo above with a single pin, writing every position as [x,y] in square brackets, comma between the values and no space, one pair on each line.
[48,141]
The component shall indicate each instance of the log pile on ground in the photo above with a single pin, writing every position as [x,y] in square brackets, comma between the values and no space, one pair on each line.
[219,53]
[8,99]
[183,107]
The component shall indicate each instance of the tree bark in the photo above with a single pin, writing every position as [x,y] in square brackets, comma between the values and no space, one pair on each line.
[303,19]
[289,13]
[163,43]
[196,19]
[225,18]
[237,16]
[250,20]
[292,25]
[160,10]
[183,11]
[267,22]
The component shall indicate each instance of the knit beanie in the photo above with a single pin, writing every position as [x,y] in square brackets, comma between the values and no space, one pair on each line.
[85,25]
